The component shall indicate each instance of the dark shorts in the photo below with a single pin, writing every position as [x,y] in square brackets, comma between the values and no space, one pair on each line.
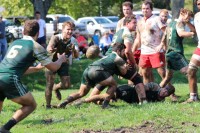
[127,93]
[62,71]
[11,87]
[175,61]
[94,75]
[42,40]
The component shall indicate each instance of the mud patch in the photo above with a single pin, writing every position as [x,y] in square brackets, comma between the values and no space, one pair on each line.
[147,127]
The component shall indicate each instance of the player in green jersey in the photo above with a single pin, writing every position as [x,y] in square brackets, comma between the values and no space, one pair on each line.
[20,56]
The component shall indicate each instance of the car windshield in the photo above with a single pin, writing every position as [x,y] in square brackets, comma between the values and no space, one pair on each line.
[9,23]
[102,21]
[64,19]
[114,19]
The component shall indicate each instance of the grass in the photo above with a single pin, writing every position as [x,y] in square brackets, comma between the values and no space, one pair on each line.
[179,117]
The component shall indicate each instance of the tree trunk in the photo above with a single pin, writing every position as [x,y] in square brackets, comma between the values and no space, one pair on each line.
[176,6]
[42,6]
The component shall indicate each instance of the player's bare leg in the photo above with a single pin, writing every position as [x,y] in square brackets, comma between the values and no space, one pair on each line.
[84,89]
[28,106]
[49,87]
[64,84]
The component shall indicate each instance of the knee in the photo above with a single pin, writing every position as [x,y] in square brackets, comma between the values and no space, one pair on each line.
[65,85]
[33,105]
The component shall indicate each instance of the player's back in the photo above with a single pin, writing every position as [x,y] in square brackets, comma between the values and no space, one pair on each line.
[19,57]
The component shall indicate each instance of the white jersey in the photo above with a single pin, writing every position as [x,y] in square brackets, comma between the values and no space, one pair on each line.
[42,25]
[197,26]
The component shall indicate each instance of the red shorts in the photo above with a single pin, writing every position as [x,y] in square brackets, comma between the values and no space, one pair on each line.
[197,51]
[137,55]
[152,61]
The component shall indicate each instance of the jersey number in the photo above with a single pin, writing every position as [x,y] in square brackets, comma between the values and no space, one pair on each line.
[14,51]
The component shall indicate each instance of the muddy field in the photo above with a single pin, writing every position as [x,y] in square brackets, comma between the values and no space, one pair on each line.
[147,127]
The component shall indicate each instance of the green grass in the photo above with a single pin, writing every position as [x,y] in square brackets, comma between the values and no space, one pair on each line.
[179,117]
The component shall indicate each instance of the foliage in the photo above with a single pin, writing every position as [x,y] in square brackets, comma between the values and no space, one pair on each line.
[17,7]
[76,8]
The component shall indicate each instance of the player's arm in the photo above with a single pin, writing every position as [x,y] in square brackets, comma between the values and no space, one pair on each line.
[33,69]
[54,66]
[51,47]
[128,42]
[121,65]
[164,40]
[181,31]
[42,56]
[137,42]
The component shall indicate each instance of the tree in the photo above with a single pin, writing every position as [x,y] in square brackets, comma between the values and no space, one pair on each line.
[42,6]
[176,6]
[16,8]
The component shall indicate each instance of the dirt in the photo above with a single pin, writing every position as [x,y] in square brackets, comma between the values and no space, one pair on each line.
[146,127]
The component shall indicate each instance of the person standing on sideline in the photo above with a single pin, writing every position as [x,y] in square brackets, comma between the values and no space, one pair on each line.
[3,41]
[42,33]
[127,8]
[21,54]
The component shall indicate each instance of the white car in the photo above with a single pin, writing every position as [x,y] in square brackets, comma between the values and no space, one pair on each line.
[97,25]
[61,19]
[139,14]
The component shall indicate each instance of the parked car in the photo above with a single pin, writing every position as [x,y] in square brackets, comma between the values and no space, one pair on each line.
[139,14]
[97,25]
[50,19]
[114,19]
[14,27]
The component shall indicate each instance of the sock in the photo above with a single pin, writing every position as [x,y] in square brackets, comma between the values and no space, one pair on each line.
[10,124]
[193,96]
[68,100]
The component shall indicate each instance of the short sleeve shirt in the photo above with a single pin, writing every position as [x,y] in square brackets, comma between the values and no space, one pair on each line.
[42,25]
[150,30]
[123,36]
[21,54]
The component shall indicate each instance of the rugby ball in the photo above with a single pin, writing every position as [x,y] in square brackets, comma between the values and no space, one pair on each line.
[92,52]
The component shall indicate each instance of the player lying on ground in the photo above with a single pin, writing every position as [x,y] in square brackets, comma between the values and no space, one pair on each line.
[128,93]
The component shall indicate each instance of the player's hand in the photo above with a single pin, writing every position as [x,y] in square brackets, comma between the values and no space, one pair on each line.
[159,48]
[62,57]
[39,66]
[51,50]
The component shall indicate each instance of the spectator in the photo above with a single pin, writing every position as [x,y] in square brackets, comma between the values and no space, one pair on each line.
[3,41]
[111,34]
[42,33]
[95,38]
[82,42]
[55,25]
[105,42]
